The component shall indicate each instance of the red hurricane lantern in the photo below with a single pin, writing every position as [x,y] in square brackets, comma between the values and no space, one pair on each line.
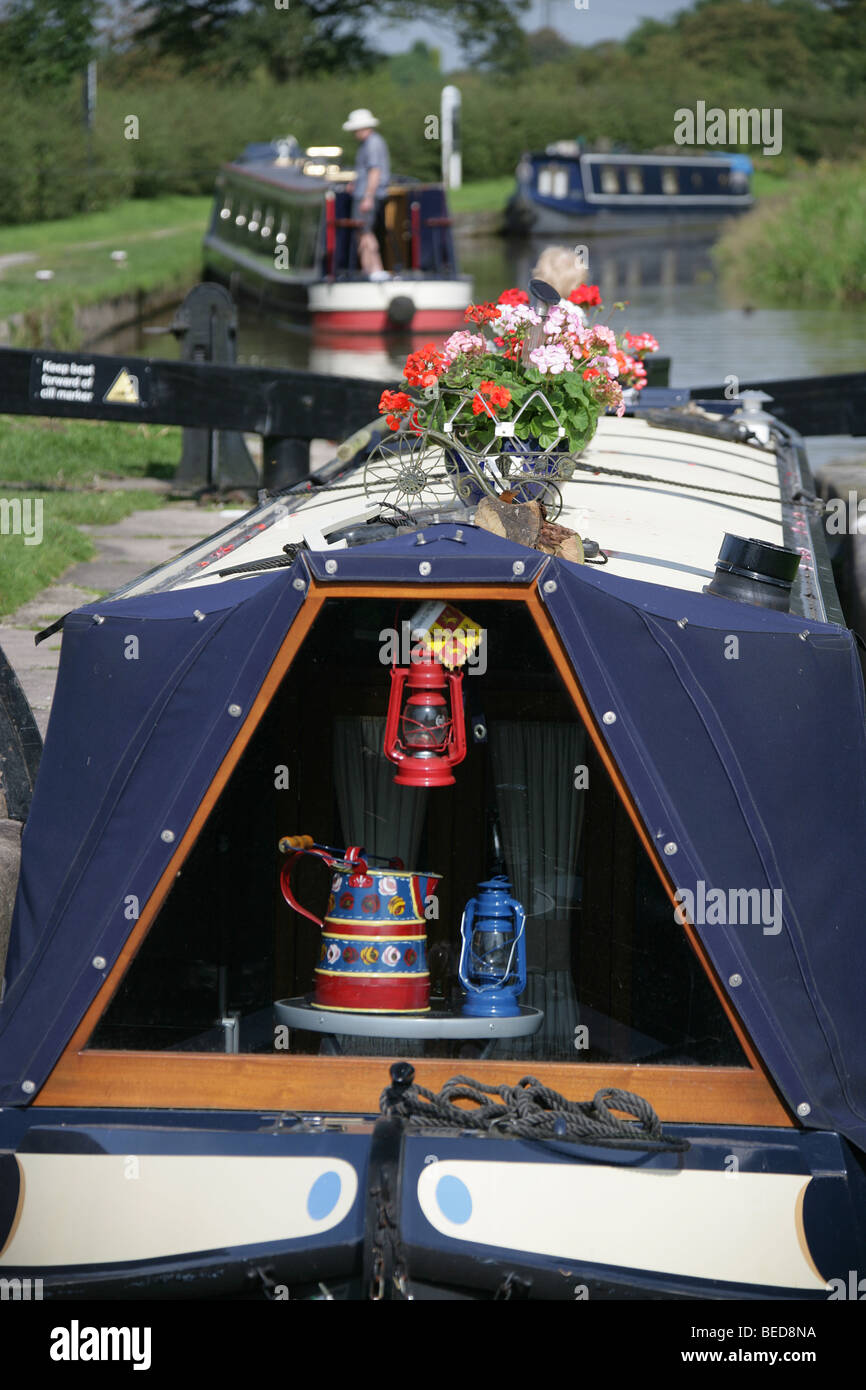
[425,733]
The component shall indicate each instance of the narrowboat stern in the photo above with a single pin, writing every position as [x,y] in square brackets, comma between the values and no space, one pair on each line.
[620,856]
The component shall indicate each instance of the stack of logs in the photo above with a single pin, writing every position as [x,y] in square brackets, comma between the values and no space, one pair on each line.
[526,523]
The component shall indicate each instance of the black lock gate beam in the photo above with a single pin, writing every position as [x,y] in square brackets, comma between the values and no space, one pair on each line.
[287,408]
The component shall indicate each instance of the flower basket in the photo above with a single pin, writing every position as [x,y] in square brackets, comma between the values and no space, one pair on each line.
[505,408]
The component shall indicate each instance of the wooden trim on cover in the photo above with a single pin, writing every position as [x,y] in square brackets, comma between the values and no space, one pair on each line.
[550,637]
[450,593]
[217,1081]
[294,638]
[701,1095]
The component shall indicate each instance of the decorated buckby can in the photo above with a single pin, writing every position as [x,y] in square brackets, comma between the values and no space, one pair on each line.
[373,956]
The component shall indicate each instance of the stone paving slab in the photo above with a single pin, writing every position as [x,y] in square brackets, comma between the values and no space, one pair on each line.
[50,604]
[124,551]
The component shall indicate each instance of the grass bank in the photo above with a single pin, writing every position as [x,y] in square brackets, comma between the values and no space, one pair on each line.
[803,245]
[485,195]
[161,238]
[41,459]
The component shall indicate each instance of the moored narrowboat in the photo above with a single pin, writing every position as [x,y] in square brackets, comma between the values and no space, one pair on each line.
[282,231]
[630,872]
[568,189]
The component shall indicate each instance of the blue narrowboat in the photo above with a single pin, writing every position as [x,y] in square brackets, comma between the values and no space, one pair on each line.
[567,189]
[644,844]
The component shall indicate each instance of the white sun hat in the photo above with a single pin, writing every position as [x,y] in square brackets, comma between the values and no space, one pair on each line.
[362,119]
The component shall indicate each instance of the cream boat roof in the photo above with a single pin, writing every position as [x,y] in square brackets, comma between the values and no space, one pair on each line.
[661,532]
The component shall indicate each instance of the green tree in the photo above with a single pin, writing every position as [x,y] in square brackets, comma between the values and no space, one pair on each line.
[419,64]
[46,42]
[638,40]
[312,36]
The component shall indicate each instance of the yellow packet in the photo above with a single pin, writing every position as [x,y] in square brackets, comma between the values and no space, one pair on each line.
[450,635]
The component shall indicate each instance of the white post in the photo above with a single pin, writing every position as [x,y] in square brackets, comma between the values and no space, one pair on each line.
[90,93]
[452,160]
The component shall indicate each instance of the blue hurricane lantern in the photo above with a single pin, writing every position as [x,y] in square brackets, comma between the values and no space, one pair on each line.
[492,966]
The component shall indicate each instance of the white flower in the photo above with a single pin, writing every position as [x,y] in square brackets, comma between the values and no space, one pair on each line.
[511,316]
[465,342]
[604,335]
[608,365]
[551,358]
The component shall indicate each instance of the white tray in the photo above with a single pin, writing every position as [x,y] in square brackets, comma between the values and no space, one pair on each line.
[302,1013]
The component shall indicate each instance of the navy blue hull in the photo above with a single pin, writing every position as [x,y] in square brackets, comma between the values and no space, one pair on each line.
[529,217]
[108,1162]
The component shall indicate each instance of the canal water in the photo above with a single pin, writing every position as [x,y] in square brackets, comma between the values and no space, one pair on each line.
[672,289]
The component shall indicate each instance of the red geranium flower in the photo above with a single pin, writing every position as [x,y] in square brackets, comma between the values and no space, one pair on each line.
[496,396]
[396,401]
[641,342]
[586,294]
[425,366]
[481,313]
[514,296]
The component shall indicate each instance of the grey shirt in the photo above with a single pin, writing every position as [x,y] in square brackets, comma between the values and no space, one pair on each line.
[372,154]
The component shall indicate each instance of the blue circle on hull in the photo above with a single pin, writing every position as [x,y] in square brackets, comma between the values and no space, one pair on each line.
[454,1199]
[324,1195]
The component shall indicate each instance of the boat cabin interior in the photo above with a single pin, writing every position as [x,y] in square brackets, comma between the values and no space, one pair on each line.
[614,973]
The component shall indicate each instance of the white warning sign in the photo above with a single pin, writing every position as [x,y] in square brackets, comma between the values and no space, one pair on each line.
[123,390]
[67,381]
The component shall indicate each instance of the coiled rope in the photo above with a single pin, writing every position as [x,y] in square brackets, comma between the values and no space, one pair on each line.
[531,1110]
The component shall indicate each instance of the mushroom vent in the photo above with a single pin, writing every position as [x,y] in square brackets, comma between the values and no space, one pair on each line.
[751,571]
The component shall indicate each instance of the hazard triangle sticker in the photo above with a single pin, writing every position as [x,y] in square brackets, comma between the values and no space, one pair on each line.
[123,390]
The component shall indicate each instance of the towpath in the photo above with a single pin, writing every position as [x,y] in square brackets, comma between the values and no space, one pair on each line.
[123,551]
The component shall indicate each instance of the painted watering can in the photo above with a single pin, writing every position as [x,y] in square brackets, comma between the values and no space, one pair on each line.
[374,938]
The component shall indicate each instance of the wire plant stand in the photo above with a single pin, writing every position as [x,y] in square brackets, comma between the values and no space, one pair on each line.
[428,468]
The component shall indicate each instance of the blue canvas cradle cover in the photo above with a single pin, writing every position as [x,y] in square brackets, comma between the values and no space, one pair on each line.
[753,766]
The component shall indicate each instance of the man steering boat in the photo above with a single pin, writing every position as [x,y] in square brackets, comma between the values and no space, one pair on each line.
[372,176]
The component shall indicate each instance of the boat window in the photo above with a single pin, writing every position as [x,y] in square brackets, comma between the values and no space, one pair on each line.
[227,964]
[634,179]
[697,179]
[609,179]
[302,232]
[560,183]
[545,180]
[724,178]
[670,181]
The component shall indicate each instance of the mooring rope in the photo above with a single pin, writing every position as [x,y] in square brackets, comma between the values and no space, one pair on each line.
[531,1110]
